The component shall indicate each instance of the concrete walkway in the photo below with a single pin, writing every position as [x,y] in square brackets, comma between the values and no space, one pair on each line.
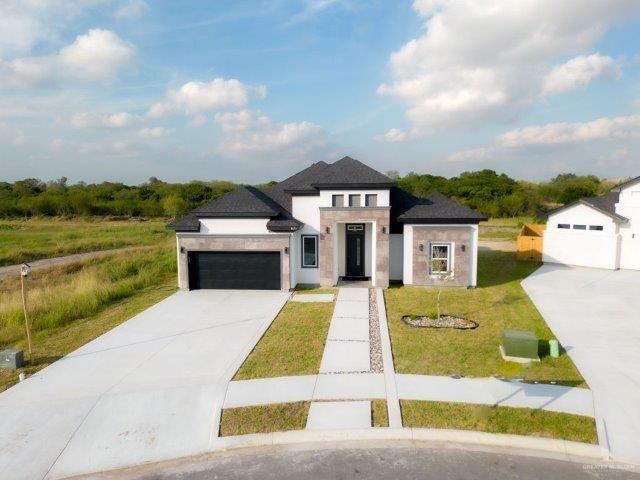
[483,391]
[596,316]
[346,351]
[151,389]
[491,391]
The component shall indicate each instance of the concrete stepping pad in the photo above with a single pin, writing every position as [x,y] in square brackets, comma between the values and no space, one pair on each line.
[345,356]
[354,294]
[345,328]
[339,415]
[354,386]
[351,309]
[312,297]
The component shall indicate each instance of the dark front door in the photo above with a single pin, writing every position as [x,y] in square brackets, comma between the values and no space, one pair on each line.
[355,250]
[234,270]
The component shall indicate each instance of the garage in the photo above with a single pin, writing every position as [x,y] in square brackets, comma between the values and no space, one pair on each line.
[248,270]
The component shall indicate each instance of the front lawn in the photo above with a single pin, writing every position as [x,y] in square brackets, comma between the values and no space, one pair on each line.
[264,419]
[498,303]
[293,344]
[516,421]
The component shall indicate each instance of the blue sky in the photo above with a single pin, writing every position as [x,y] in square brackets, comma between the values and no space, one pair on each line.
[256,90]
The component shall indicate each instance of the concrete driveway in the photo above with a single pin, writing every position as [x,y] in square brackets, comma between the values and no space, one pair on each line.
[148,390]
[596,316]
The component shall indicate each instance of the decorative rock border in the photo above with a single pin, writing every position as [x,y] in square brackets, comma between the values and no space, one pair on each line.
[445,321]
[374,334]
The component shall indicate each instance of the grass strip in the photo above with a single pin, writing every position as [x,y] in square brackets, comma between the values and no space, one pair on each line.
[516,421]
[264,418]
[293,344]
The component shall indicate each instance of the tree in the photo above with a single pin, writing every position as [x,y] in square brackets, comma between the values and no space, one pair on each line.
[393,174]
[174,206]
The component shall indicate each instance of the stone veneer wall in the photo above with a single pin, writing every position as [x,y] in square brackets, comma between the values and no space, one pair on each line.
[273,242]
[462,260]
[331,215]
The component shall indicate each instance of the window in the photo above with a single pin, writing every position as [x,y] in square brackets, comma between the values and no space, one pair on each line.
[597,228]
[309,251]
[337,200]
[354,200]
[355,228]
[440,261]
[564,225]
[579,227]
[371,200]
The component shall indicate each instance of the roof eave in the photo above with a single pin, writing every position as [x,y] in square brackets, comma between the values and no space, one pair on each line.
[349,186]
[235,215]
[614,216]
[443,221]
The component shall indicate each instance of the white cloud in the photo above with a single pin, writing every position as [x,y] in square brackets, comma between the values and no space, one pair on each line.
[605,128]
[97,55]
[251,131]
[472,155]
[115,120]
[194,98]
[154,132]
[579,71]
[485,60]
[131,9]
[393,136]
[25,23]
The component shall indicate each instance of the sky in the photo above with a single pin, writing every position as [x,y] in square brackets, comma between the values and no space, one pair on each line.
[252,91]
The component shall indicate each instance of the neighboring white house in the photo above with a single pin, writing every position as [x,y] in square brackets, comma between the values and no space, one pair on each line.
[326,223]
[600,232]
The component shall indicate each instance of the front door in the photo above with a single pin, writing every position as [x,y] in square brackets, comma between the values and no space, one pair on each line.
[355,250]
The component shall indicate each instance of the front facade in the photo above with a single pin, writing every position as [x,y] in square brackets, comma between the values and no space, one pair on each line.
[601,232]
[327,223]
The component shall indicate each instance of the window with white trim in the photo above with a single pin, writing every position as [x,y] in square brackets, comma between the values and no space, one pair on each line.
[354,200]
[371,200]
[564,226]
[337,200]
[309,251]
[579,227]
[440,258]
[597,228]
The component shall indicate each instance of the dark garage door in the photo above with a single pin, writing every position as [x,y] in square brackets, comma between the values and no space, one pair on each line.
[241,270]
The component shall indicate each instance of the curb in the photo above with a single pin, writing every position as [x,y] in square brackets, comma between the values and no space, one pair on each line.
[558,448]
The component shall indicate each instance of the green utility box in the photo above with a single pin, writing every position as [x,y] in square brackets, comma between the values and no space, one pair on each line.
[520,344]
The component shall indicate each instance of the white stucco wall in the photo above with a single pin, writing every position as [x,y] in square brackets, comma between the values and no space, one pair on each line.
[305,208]
[586,248]
[234,226]
[629,207]
[396,250]
[326,196]
[407,260]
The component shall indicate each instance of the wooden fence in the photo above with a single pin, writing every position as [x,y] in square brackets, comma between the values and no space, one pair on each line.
[529,243]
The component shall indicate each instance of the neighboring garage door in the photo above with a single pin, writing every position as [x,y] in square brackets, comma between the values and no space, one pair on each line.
[234,270]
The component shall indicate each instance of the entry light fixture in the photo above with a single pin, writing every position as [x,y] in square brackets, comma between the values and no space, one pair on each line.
[464,248]
[327,230]
[286,250]
[421,247]
[181,249]
[384,230]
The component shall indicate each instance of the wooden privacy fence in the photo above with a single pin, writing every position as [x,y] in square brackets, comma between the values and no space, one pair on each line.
[529,243]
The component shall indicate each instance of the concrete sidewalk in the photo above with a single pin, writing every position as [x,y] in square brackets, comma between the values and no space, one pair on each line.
[148,390]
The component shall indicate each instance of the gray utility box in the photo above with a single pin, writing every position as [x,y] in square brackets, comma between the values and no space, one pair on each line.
[520,344]
[11,359]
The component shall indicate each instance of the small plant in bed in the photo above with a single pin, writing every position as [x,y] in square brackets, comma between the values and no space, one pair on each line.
[437,319]
[444,321]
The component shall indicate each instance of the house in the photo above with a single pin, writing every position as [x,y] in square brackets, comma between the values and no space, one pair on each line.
[600,232]
[328,222]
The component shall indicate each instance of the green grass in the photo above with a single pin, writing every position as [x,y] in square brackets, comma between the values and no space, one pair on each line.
[498,303]
[264,419]
[511,222]
[379,414]
[301,288]
[292,345]
[499,235]
[33,239]
[516,421]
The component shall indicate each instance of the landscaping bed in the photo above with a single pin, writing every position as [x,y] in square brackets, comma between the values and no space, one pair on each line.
[516,421]
[264,418]
[498,303]
[293,344]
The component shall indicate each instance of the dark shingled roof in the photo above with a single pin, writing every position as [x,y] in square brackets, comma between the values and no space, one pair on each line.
[275,202]
[435,208]
[350,173]
[605,204]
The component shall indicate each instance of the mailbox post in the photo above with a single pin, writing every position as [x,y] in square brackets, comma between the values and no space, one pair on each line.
[24,272]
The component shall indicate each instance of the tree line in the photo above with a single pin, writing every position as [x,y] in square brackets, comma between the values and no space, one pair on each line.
[493,194]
